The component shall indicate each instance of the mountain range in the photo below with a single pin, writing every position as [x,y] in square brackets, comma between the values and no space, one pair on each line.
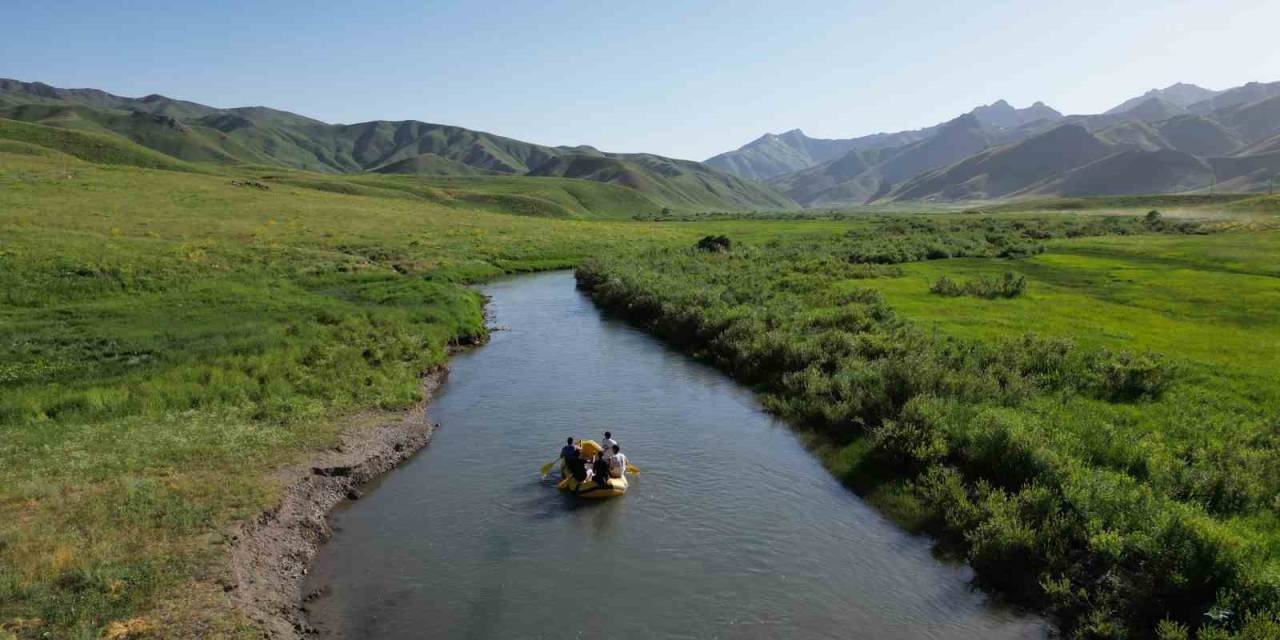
[1182,138]
[260,136]
[1177,139]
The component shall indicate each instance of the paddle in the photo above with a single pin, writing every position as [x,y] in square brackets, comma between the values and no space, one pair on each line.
[546,468]
[631,468]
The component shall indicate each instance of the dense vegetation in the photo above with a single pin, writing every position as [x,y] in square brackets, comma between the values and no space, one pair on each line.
[911,240]
[1123,490]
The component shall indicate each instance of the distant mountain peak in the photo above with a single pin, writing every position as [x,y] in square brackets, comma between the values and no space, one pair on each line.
[1000,114]
[1154,108]
[1178,94]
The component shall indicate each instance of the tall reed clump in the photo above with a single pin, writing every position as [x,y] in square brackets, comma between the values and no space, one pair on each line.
[1023,454]
[1008,285]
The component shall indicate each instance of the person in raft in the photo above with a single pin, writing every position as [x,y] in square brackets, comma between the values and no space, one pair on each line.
[617,462]
[572,456]
[600,469]
[608,444]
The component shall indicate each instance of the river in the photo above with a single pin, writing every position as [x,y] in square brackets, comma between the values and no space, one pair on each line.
[731,530]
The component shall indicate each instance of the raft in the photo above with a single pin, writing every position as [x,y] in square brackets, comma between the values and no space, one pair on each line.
[590,489]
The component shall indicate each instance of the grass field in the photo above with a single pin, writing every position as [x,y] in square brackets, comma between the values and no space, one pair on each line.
[1212,301]
[1102,445]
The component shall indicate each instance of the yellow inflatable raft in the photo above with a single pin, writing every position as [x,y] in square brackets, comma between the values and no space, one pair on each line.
[591,489]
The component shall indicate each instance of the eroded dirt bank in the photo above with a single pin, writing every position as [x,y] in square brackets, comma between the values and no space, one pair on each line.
[270,554]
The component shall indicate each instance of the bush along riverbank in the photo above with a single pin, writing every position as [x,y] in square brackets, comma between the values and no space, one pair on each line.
[1107,488]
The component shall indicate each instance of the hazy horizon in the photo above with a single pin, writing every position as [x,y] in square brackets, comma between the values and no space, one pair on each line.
[676,82]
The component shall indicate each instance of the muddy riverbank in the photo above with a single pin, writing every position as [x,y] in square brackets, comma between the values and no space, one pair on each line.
[271,554]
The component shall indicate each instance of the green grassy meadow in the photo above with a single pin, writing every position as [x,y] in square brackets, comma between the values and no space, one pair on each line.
[1212,301]
[1102,446]
[172,332]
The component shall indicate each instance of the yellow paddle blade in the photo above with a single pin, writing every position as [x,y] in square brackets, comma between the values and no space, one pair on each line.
[546,468]
[631,468]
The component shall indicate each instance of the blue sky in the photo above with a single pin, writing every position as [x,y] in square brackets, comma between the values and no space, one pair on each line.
[685,79]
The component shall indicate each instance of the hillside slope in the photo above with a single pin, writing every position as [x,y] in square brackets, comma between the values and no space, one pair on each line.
[1165,125]
[774,155]
[1199,136]
[1133,172]
[859,177]
[89,146]
[681,182]
[1176,145]
[262,136]
[1003,170]
[431,164]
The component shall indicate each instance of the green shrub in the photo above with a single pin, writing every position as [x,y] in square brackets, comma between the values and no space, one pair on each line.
[714,243]
[1124,377]
[1009,285]
[945,286]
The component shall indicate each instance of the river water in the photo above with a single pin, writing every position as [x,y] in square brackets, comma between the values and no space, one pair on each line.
[731,530]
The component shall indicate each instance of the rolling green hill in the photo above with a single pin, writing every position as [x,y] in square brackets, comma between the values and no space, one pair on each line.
[466,188]
[684,183]
[260,136]
[192,143]
[432,165]
[85,145]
